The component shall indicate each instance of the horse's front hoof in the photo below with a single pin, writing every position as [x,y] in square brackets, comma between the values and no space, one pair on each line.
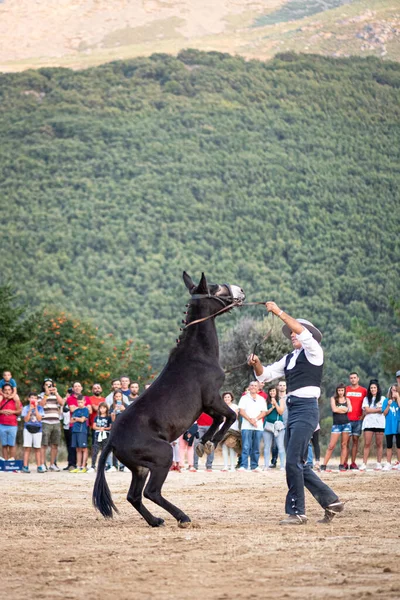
[209,447]
[185,524]
[158,523]
[200,449]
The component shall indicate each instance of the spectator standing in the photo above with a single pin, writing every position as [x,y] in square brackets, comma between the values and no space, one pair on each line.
[302,370]
[356,394]
[252,409]
[51,401]
[175,456]
[373,423]
[10,408]
[32,414]
[101,427]
[118,406]
[115,385]
[67,429]
[79,421]
[391,410]
[133,392]
[229,453]
[282,400]
[72,402]
[341,407]
[274,428]
[95,400]
[204,423]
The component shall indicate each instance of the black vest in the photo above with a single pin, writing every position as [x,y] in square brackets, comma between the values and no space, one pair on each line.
[303,373]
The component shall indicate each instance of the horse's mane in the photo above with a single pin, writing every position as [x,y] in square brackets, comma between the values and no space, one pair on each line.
[184,332]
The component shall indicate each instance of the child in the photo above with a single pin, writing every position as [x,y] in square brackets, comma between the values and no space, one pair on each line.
[118,406]
[391,411]
[80,434]
[7,378]
[32,414]
[101,427]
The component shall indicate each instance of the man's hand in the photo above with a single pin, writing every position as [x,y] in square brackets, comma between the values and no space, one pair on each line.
[274,308]
[252,360]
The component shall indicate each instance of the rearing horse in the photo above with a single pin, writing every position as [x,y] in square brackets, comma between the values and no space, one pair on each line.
[188,385]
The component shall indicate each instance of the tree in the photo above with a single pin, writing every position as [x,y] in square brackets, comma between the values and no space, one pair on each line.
[264,338]
[67,350]
[16,331]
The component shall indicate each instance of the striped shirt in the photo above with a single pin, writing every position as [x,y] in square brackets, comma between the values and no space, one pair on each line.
[51,410]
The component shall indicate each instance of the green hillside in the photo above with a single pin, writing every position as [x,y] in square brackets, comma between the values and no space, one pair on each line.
[279,176]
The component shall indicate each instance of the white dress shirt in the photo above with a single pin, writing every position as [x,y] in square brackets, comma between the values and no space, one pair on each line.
[314,354]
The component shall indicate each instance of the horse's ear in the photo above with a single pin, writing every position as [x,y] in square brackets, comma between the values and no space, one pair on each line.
[202,288]
[188,282]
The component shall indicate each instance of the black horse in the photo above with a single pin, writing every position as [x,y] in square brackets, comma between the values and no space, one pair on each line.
[188,385]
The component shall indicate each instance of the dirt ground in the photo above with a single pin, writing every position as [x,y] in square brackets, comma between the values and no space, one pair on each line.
[54,544]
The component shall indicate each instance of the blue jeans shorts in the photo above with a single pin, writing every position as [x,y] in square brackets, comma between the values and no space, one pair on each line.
[345,428]
[8,435]
[356,427]
[79,439]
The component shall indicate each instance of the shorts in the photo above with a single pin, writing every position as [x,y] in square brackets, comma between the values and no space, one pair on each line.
[32,440]
[375,429]
[389,440]
[8,435]
[345,428]
[356,427]
[51,434]
[79,440]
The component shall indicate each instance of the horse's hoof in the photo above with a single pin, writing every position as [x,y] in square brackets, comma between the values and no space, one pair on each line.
[200,449]
[209,447]
[185,524]
[158,523]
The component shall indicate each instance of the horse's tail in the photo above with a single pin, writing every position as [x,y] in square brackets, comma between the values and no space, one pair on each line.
[101,492]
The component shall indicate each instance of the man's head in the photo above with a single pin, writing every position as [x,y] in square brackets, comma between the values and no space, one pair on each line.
[7,390]
[354,379]
[282,387]
[7,375]
[317,335]
[125,381]
[116,384]
[97,389]
[134,388]
[253,387]
[48,385]
[77,388]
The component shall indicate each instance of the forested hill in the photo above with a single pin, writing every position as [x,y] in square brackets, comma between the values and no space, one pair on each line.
[279,176]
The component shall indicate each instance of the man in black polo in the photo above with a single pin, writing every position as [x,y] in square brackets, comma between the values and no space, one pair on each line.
[302,370]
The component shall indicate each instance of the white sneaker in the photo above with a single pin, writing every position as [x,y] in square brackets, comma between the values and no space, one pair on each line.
[378,467]
[91,470]
[54,468]
[387,467]
[242,469]
[232,469]
[362,467]
[112,470]
[257,470]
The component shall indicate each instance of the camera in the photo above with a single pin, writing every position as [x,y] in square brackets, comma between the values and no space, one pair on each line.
[70,390]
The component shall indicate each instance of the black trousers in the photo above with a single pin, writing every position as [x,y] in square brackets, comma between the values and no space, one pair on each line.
[71,451]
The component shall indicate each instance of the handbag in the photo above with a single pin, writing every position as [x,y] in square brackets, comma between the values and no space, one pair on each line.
[278,426]
[190,434]
[269,427]
[33,428]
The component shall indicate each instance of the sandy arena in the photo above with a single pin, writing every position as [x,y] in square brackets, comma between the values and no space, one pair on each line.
[54,545]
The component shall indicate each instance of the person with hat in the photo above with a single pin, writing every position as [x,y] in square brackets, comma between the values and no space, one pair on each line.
[302,369]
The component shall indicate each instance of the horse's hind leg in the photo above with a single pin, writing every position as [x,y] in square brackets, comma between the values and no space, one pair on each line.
[153,492]
[139,475]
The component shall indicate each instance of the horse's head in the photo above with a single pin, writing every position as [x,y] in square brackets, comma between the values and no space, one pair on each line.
[224,293]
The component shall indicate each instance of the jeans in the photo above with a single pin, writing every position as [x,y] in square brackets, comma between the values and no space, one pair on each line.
[279,440]
[251,440]
[210,457]
[303,418]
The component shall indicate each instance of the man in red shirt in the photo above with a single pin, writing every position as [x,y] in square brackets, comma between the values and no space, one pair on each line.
[356,394]
[204,423]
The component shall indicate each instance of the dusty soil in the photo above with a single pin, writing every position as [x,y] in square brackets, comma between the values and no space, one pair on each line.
[54,544]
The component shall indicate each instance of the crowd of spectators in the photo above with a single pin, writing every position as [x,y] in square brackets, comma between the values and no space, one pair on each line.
[86,421]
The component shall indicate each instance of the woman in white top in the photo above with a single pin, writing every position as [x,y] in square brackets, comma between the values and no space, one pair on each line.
[373,423]
[228,452]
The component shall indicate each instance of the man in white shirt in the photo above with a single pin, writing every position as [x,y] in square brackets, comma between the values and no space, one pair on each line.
[252,409]
[302,369]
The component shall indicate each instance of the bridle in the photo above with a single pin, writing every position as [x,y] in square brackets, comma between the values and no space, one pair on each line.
[223,299]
